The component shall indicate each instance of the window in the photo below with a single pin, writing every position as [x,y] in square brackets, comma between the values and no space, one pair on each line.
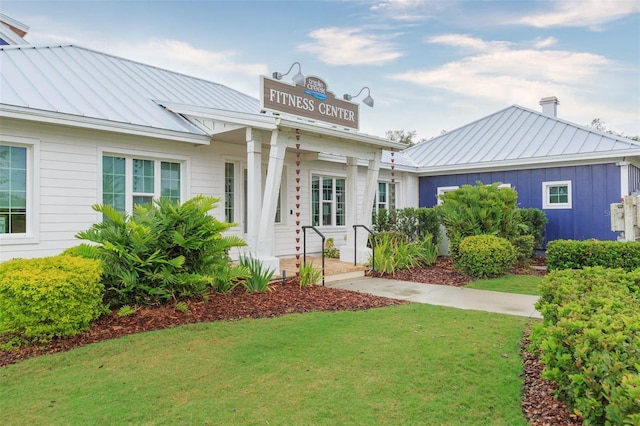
[556,195]
[386,196]
[443,190]
[13,190]
[229,192]
[127,182]
[327,201]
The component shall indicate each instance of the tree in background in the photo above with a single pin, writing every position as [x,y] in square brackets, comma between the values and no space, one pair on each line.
[600,126]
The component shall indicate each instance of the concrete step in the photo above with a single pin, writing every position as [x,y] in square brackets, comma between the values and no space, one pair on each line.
[343,276]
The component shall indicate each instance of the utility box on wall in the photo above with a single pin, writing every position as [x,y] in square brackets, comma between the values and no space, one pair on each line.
[625,218]
[617,217]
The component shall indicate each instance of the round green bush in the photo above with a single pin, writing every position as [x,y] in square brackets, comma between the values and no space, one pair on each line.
[485,256]
[49,297]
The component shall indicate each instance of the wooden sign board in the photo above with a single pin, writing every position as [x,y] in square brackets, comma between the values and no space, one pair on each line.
[312,101]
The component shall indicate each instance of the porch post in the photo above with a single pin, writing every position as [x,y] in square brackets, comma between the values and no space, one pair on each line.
[352,216]
[266,232]
[254,186]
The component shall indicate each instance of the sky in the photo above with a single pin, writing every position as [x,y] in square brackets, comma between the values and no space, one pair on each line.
[431,66]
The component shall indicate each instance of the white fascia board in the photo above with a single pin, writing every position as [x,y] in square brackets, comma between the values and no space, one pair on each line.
[341,134]
[541,163]
[17,24]
[334,158]
[49,117]
[258,121]
[8,35]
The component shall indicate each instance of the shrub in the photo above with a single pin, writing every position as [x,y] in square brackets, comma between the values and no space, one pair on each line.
[413,223]
[535,221]
[258,278]
[165,251]
[393,252]
[330,249]
[524,247]
[49,297]
[570,254]
[309,274]
[589,341]
[485,256]
[480,210]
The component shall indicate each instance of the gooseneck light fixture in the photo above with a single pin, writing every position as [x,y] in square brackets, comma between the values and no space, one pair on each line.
[298,78]
[367,101]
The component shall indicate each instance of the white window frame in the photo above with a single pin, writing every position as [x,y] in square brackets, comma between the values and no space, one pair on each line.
[376,203]
[443,190]
[157,158]
[546,186]
[32,236]
[334,202]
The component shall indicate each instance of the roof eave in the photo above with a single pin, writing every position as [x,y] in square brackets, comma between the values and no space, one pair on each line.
[529,163]
[341,134]
[48,117]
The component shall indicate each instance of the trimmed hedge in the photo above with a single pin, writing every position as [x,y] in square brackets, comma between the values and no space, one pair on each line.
[48,297]
[589,342]
[485,256]
[570,254]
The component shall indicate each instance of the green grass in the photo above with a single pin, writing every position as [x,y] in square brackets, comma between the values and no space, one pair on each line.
[410,364]
[520,284]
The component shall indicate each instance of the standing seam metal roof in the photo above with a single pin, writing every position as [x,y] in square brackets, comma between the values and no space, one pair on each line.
[515,133]
[82,82]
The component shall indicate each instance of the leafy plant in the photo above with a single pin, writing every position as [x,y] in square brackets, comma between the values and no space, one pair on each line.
[569,254]
[258,278]
[589,341]
[309,274]
[480,210]
[182,306]
[485,256]
[126,311]
[535,222]
[413,223]
[166,250]
[394,252]
[48,297]
[330,249]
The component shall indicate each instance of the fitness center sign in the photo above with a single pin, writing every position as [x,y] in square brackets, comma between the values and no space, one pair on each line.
[312,100]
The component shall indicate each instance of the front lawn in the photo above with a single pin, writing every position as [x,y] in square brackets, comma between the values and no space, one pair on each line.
[409,364]
[519,284]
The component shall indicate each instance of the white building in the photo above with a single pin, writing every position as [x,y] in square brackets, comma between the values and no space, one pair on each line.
[80,127]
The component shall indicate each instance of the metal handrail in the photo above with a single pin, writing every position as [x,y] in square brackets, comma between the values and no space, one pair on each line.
[304,246]
[373,246]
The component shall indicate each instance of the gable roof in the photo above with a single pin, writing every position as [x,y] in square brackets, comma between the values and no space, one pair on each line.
[68,80]
[516,136]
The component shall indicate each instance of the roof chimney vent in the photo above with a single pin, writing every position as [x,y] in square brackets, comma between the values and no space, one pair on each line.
[550,106]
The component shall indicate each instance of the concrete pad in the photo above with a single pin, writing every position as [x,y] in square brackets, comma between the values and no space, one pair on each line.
[443,295]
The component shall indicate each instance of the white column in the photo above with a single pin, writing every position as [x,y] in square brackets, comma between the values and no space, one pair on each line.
[624,178]
[254,187]
[351,208]
[266,231]
[371,186]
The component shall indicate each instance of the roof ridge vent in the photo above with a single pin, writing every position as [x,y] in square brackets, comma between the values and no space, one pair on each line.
[550,106]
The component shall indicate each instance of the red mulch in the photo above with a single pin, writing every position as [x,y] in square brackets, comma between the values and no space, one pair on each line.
[538,405]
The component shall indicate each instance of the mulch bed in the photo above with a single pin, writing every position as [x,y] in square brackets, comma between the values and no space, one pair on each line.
[538,404]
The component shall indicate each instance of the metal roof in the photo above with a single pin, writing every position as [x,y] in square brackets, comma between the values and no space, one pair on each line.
[85,83]
[516,136]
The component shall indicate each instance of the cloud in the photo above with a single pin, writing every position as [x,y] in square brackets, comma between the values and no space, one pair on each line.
[541,43]
[581,13]
[350,46]
[408,10]
[501,72]
[467,42]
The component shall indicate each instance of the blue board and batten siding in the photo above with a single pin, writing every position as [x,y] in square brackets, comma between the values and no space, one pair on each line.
[593,189]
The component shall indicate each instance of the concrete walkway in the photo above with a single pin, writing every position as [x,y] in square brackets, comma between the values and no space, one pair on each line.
[444,295]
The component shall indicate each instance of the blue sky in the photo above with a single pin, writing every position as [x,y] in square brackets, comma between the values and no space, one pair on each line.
[430,65]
